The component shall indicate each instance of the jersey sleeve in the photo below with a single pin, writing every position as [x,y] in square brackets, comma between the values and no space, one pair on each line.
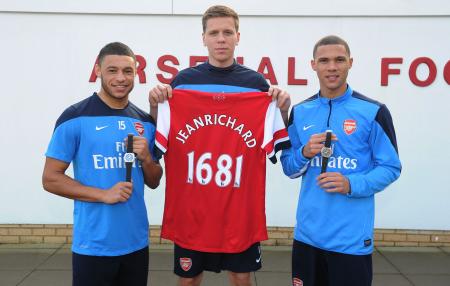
[386,167]
[162,129]
[64,143]
[275,135]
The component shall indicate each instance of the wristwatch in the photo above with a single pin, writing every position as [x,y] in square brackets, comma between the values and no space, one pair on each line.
[326,151]
[129,158]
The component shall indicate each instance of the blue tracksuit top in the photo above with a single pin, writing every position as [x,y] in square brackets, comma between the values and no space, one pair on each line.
[91,135]
[365,152]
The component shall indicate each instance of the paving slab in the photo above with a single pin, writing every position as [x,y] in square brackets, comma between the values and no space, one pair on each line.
[161,260]
[381,265]
[276,261]
[419,262]
[48,278]
[12,277]
[61,260]
[390,280]
[430,280]
[421,249]
[23,259]
[31,245]
[161,278]
[273,278]
[446,249]
[393,266]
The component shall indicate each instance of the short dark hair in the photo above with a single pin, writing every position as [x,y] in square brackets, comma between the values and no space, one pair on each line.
[115,48]
[217,11]
[331,40]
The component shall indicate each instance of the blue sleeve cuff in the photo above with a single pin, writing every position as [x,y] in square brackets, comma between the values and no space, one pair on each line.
[298,153]
[355,186]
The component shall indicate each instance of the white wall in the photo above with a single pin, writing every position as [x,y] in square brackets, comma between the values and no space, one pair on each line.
[47,59]
[244,8]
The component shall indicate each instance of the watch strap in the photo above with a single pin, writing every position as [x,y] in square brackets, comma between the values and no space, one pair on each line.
[129,165]
[327,145]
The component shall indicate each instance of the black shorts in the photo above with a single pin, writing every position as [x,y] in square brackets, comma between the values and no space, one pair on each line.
[312,266]
[129,269]
[190,263]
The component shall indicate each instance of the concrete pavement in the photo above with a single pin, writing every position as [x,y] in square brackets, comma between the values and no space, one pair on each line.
[50,265]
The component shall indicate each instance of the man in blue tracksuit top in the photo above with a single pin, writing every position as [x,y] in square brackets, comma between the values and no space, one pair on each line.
[110,229]
[333,237]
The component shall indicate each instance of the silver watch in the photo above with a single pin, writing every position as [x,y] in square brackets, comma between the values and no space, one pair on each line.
[129,157]
[326,152]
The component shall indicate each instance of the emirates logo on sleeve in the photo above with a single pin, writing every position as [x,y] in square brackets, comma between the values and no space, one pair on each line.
[185,263]
[349,126]
[139,128]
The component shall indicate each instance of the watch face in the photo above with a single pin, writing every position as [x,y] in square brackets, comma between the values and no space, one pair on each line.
[129,157]
[326,152]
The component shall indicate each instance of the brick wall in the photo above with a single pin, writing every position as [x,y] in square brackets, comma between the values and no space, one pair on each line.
[62,233]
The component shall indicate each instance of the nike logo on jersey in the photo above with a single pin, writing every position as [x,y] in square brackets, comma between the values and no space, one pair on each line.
[100,128]
[307,127]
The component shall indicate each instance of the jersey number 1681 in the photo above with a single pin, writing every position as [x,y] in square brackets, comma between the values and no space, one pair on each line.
[204,172]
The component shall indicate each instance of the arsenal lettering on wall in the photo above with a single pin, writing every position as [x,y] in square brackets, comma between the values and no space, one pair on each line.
[390,66]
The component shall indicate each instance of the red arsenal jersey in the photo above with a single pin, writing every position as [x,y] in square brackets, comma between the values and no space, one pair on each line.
[215,147]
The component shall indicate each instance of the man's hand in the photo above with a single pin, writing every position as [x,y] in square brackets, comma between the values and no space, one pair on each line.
[334,182]
[140,148]
[159,94]
[120,192]
[152,170]
[315,144]
[283,101]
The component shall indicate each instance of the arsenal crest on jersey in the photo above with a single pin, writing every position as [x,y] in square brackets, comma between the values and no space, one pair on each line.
[185,263]
[139,128]
[349,126]
[297,282]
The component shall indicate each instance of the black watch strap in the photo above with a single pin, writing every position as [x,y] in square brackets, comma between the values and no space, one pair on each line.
[129,165]
[327,145]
